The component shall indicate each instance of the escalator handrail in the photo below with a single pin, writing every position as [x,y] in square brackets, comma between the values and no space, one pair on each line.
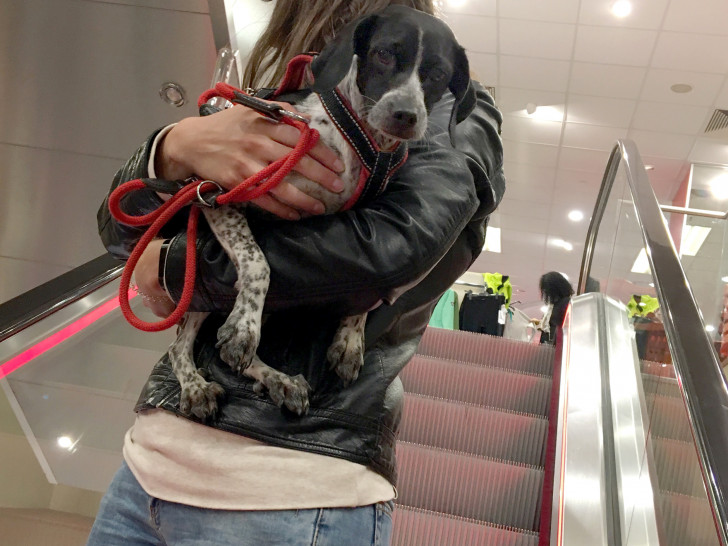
[36,304]
[703,386]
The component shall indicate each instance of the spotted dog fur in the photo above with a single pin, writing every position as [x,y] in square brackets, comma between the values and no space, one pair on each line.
[393,78]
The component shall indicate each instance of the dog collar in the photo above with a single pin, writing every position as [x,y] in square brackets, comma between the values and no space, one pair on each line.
[377,166]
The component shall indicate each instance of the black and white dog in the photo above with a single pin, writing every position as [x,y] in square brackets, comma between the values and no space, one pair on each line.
[391,67]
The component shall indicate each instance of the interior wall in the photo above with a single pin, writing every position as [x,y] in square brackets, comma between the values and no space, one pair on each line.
[79,92]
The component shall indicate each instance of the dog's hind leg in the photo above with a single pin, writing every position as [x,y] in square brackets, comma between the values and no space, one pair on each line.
[238,338]
[282,389]
[197,396]
[346,353]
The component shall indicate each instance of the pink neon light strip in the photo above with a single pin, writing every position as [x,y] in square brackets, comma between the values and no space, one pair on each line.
[60,336]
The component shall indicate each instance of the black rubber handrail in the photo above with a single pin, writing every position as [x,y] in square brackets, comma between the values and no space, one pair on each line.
[44,300]
[703,385]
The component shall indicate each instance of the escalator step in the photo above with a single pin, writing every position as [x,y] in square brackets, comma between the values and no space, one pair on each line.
[660,385]
[488,350]
[473,429]
[677,466]
[482,489]
[668,418]
[688,520]
[416,527]
[476,384]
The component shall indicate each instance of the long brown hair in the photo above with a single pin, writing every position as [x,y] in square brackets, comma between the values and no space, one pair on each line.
[300,26]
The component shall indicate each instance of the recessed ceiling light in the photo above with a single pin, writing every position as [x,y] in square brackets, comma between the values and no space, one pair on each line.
[544,113]
[641,265]
[563,244]
[719,186]
[692,239]
[681,88]
[622,8]
[544,308]
[724,279]
[710,328]
[492,240]
[576,216]
[65,442]
[649,167]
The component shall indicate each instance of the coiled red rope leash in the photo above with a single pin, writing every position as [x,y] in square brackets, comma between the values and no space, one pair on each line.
[248,189]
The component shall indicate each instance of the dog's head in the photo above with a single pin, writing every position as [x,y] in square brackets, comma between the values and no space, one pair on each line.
[403,61]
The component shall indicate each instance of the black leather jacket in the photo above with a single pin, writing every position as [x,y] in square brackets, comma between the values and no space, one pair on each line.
[403,250]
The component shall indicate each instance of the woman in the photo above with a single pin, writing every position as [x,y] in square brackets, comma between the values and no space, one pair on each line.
[255,474]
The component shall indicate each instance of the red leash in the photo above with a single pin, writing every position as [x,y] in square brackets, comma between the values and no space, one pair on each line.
[248,189]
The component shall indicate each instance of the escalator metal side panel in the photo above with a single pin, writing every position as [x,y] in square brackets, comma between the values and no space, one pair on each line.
[579,498]
[634,462]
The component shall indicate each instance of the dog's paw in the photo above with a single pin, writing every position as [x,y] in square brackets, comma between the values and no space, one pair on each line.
[346,357]
[238,344]
[285,390]
[199,398]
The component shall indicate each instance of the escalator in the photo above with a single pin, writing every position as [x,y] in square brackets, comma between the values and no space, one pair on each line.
[501,443]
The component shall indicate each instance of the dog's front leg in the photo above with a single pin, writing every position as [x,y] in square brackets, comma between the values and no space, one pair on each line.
[238,338]
[282,389]
[346,353]
[197,396]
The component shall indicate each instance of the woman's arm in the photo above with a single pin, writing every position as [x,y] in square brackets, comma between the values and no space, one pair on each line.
[354,259]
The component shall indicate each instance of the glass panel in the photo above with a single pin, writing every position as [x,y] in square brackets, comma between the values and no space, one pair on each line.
[75,400]
[620,270]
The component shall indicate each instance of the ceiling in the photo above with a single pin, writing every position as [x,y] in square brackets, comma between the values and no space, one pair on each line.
[603,78]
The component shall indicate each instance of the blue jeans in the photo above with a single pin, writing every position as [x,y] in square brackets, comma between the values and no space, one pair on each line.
[128,516]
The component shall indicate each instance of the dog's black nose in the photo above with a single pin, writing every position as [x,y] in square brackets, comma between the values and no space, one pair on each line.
[406,117]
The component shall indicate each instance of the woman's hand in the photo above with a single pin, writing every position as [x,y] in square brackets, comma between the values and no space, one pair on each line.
[146,278]
[236,143]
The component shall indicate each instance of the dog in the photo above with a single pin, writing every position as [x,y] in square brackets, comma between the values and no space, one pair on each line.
[391,67]
[556,292]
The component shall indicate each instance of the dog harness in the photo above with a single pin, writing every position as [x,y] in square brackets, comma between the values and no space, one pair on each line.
[377,168]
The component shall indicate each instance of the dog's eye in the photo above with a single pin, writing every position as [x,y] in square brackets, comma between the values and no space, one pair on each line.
[384,57]
[436,75]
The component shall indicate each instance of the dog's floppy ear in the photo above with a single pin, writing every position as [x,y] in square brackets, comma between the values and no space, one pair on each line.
[463,90]
[334,61]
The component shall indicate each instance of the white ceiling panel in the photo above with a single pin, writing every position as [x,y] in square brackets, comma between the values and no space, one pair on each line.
[593,137]
[569,181]
[475,33]
[521,223]
[714,152]
[564,11]
[645,15]
[624,46]
[722,100]
[514,101]
[579,159]
[480,7]
[606,80]
[526,130]
[485,68]
[705,87]
[533,208]
[530,73]
[536,39]
[600,111]
[708,18]
[670,118]
[691,52]
[662,144]
[531,154]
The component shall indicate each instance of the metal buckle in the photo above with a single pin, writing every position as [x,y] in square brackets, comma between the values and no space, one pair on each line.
[269,109]
[210,201]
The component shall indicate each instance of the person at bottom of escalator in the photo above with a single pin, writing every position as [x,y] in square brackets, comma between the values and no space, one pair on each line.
[556,292]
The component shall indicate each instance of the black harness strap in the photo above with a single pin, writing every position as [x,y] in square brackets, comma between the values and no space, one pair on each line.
[379,165]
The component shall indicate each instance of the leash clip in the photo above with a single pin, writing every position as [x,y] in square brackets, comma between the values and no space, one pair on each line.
[269,109]
[210,199]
